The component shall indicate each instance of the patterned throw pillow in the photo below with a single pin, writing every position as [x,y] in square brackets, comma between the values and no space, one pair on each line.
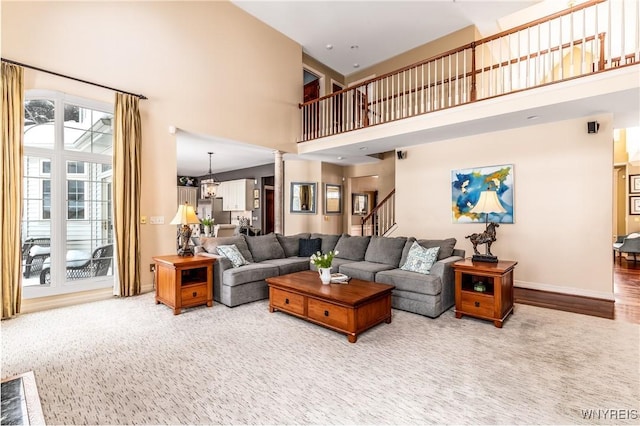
[233,254]
[420,259]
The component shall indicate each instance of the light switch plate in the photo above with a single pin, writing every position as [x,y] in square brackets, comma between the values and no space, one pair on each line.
[157,220]
[143,220]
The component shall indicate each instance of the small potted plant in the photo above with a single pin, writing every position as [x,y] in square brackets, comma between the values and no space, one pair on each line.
[207,222]
[323,263]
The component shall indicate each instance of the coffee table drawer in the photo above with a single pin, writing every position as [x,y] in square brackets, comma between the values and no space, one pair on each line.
[329,314]
[286,301]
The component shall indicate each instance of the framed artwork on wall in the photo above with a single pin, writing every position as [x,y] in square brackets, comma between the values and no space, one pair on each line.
[634,204]
[634,184]
[256,204]
[468,184]
[332,198]
[303,197]
[360,204]
[256,193]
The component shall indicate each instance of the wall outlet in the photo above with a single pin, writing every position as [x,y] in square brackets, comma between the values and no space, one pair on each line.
[152,267]
[143,220]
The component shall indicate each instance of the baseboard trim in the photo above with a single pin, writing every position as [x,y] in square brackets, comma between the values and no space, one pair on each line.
[565,302]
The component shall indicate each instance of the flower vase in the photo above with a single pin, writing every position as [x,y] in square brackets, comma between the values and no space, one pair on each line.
[207,231]
[325,275]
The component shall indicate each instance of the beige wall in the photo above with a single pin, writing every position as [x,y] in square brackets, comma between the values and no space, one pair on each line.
[563,201]
[327,73]
[420,53]
[331,223]
[206,67]
[302,171]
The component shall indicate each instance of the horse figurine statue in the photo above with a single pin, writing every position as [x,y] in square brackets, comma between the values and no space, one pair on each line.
[487,237]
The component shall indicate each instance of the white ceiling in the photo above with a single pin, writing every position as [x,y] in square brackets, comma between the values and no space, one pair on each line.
[379,29]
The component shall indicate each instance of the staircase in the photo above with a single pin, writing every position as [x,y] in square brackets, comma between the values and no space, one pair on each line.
[382,218]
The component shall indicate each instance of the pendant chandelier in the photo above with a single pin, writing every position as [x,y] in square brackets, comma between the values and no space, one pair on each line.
[209,186]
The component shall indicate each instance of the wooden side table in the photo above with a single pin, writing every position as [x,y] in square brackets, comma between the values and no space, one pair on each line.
[484,290]
[184,281]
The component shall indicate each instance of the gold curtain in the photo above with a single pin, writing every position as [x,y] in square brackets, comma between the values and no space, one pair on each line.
[11,122]
[127,141]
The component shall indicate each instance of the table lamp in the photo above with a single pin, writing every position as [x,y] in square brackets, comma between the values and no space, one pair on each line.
[185,216]
[487,203]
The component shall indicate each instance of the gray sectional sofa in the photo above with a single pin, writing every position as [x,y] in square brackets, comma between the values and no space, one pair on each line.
[369,258]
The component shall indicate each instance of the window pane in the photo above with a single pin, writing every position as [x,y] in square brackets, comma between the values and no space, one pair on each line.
[36,223]
[88,130]
[39,123]
[90,201]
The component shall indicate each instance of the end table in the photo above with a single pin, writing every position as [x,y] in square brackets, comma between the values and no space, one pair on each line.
[484,290]
[184,281]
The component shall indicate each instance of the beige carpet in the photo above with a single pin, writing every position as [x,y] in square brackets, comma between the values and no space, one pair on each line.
[130,361]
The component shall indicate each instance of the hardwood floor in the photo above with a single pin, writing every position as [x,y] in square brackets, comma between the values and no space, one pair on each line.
[626,288]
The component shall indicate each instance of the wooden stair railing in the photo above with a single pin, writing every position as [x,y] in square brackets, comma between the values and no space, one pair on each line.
[591,37]
[381,218]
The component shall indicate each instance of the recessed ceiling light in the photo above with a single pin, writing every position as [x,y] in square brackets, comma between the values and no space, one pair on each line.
[532,117]
[329,46]
[356,65]
[340,158]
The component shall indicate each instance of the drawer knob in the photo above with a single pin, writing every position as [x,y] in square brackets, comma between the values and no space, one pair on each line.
[195,294]
[286,301]
[326,313]
[477,304]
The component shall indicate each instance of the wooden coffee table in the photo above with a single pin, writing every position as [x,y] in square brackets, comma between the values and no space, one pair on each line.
[346,308]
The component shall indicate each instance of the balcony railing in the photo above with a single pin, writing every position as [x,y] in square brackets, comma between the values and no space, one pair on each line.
[592,37]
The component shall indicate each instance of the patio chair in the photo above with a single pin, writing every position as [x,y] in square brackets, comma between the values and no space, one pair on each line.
[97,265]
[34,252]
[627,244]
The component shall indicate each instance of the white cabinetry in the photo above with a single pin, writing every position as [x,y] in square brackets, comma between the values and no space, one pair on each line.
[188,194]
[237,195]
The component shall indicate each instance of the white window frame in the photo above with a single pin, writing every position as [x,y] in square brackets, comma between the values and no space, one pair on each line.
[59,157]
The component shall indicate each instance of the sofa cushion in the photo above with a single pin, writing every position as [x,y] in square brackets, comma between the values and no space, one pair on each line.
[446,247]
[329,241]
[410,281]
[363,270]
[232,253]
[290,244]
[265,247]
[210,244]
[420,259]
[289,265]
[352,247]
[249,273]
[309,246]
[385,250]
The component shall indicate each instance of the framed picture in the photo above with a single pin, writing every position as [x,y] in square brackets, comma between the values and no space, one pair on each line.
[303,197]
[467,186]
[634,184]
[256,204]
[634,204]
[332,198]
[256,193]
[360,204]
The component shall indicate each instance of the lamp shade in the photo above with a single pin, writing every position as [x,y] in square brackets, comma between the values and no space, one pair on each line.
[186,215]
[488,203]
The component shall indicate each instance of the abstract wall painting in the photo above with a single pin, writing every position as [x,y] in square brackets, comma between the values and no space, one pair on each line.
[467,184]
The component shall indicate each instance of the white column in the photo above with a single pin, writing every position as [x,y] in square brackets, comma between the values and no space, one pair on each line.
[278,213]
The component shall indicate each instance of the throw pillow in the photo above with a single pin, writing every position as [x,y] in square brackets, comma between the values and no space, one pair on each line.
[420,259]
[290,244]
[309,246]
[233,254]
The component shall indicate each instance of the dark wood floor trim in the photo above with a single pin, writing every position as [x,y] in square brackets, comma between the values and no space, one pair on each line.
[565,302]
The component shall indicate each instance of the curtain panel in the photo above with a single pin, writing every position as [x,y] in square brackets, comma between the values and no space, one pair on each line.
[11,126]
[127,141]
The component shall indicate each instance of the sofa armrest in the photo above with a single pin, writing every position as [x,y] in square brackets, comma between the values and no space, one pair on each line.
[444,270]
